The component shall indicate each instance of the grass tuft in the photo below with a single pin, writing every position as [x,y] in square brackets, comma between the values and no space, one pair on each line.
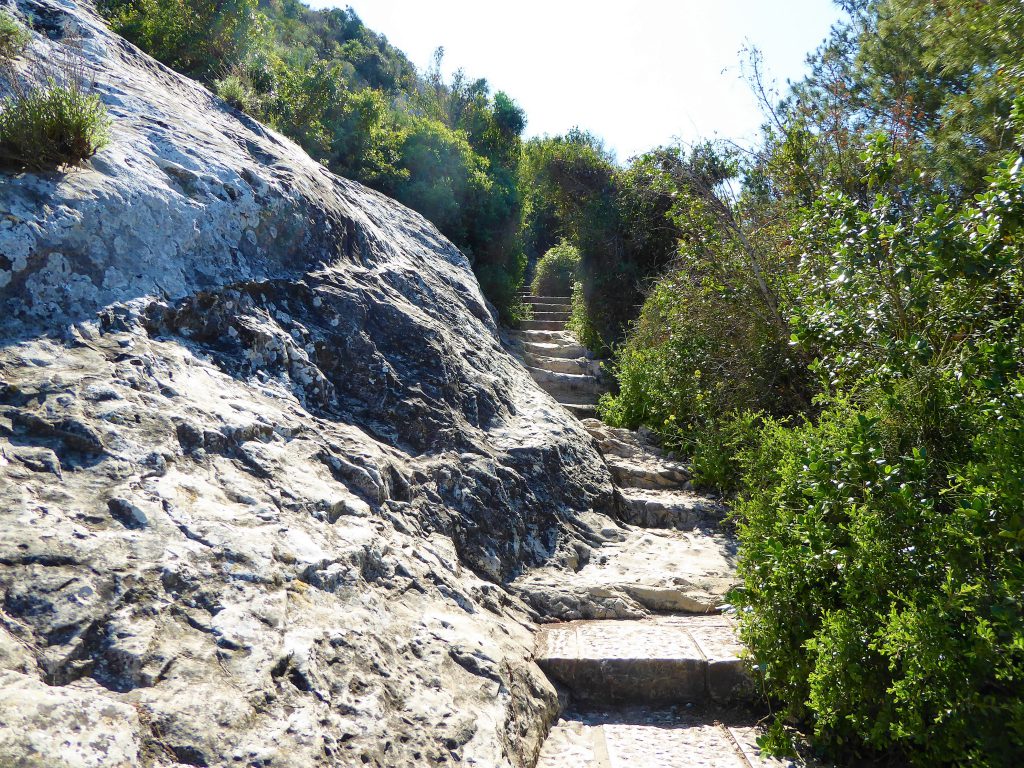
[52,126]
[14,38]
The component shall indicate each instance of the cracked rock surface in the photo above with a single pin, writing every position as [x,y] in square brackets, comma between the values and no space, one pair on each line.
[266,470]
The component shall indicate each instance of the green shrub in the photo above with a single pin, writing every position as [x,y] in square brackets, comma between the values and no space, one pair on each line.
[236,92]
[717,447]
[14,38]
[582,325]
[52,126]
[502,289]
[699,361]
[884,598]
[882,540]
[556,270]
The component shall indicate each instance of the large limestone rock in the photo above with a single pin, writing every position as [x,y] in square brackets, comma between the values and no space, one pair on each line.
[265,468]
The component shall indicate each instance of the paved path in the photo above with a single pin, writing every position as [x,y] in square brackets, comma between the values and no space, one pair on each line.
[653,672]
[652,738]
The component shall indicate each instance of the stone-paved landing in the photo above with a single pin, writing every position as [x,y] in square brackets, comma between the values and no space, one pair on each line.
[642,738]
[660,661]
[637,571]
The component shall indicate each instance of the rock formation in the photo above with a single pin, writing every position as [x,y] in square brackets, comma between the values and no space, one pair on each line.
[265,467]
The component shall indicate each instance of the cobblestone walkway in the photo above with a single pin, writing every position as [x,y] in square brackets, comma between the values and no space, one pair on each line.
[652,738]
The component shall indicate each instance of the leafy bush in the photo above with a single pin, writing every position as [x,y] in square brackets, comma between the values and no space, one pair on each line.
[503,289]
[883,600]
[883,541]
[573,188]
[717,446]
[557,270]
[14,38]
[52,126]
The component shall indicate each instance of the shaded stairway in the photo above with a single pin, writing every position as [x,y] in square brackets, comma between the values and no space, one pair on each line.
[651,672]
[557,362]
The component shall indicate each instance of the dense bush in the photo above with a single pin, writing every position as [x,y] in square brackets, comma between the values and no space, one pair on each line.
[14,38]
[616,216]
[557,270]
[697,361]
[52,126]
[504,285]
[710,349]
[236,92]
[883,542]
[840,340]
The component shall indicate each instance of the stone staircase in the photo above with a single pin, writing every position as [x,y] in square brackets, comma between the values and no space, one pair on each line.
[557,362]
[651,671]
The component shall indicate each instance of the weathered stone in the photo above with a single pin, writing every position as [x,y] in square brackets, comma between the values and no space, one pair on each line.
[566,383]
[78,726]
[581,410]
[549,312]
[126,513]
[636,572]
[265,465]
[556,362]
[578,366]
[648,472]
[660,508]
[612,662]
[542,325]
[544,301]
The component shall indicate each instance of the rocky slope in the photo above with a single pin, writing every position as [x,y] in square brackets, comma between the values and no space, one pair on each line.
[265,467]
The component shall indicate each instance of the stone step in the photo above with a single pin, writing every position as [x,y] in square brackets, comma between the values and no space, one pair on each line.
[542,325]
[543,314]
[563,350]
[564,398]
[567,382]
[580,410]
[621,442]
[578,366]
[679,510]
[653,738]
[632,573]
[546,334]
[542,305]
[648,472]
[546,299]
[658,661]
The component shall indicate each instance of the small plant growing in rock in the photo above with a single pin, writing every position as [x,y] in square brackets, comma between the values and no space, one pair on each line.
[14,38]
[52,126]
[236,92]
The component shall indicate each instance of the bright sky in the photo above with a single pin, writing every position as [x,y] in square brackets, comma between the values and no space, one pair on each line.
[638,73]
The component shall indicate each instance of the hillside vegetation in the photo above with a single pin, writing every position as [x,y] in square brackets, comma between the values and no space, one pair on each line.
[838,340]
[829,324]
[449,150]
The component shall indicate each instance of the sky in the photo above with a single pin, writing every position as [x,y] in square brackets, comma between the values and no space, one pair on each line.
[638,73]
